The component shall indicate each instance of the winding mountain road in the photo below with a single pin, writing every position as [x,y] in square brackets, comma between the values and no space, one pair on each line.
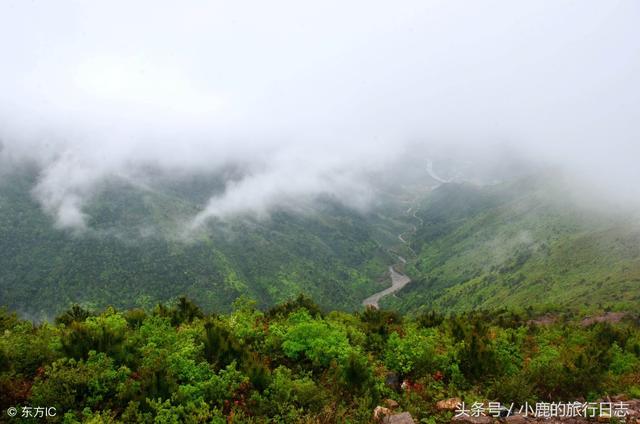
[399,280]
[433,174]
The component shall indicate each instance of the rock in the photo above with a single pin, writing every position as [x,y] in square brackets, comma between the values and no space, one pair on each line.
[619,398]
[385,416]
[380,412]
[404,418]
[391,404]
[448,404]
[472,420]
[515,419]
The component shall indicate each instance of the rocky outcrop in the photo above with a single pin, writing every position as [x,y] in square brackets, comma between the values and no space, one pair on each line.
[403,418]
[391,404]
[450,404]
[379,413]
[472,420]
[386,416]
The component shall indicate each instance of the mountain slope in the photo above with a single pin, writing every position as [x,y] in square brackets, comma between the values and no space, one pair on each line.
[134,253]
[529,243]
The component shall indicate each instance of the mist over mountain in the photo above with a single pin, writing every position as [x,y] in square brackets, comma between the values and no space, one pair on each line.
[320,212]
[201,88]
[221,149]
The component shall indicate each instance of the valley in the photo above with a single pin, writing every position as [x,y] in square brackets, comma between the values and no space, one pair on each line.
[461,246]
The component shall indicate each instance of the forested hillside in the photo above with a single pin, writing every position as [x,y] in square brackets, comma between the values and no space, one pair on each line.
[533,242]
[523,243]
[134,251]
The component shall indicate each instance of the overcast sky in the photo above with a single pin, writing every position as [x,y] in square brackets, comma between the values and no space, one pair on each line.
[312,93]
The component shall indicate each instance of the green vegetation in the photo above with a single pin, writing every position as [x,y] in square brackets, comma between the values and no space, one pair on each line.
[134,252]
[529,243]
[293,363]
[523,244]
[503,277]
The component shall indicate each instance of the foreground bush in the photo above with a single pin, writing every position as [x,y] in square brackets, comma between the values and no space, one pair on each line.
[296,364]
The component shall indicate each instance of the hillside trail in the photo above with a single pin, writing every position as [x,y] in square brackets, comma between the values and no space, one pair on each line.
[398,279]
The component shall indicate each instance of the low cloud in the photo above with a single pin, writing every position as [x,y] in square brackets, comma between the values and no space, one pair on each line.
[310,100]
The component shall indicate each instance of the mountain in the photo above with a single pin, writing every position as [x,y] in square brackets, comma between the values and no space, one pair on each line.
[528,242]
[134,251]
[533,242]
